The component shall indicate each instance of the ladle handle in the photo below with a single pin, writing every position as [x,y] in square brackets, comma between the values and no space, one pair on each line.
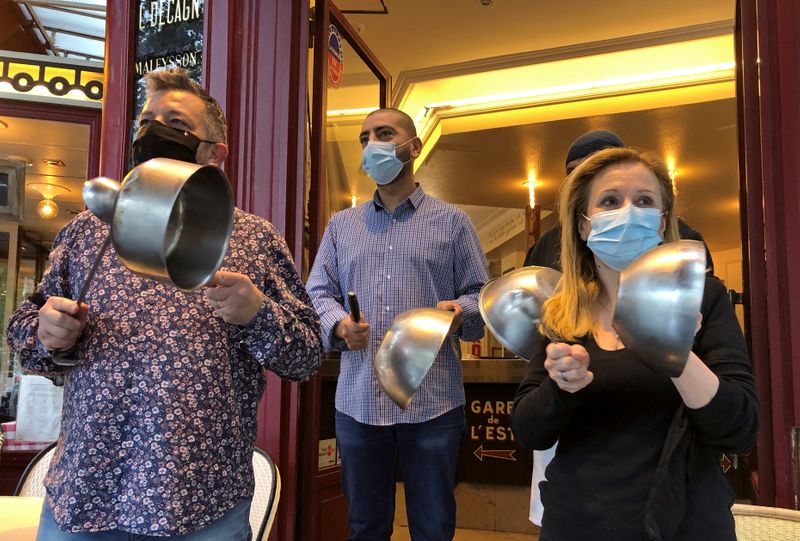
[58,355]
[352,300]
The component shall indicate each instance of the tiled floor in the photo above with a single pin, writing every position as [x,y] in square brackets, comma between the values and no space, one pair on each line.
[401,534]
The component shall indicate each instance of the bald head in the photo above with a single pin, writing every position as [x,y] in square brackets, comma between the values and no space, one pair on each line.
[402,119]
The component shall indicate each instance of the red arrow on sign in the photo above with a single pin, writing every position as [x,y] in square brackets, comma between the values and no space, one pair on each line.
[725,463]
[504,454]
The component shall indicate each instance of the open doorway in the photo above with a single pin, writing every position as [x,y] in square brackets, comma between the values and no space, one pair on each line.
[498,91]
[47,152]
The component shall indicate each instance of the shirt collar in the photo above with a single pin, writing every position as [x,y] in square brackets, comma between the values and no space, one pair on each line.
[415,198]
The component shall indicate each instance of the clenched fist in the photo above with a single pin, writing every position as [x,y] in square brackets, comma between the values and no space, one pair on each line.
[355,334]
[61,322]
[568,366]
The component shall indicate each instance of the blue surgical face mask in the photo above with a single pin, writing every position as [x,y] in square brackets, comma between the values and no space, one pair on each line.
[621,235]
[379,159]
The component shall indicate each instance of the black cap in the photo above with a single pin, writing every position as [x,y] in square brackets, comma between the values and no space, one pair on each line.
[591,142]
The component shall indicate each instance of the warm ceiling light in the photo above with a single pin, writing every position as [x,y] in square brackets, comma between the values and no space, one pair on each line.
[48,191]
[531,185]
[354,199]
[47,209]
[359,111]
[672,171]
[52,162]
[581,90]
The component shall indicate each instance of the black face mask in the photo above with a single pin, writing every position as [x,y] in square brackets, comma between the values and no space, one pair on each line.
[157,140]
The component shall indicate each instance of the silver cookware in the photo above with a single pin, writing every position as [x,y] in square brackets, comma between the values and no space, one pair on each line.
[170,220]
[408,351]
[511,306]
[658,300]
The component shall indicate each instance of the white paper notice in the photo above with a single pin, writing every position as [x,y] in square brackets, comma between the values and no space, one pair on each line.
[39,409]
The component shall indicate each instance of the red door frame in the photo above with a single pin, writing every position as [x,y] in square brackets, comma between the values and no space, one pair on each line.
[324,498]
[255,62]
[768,83]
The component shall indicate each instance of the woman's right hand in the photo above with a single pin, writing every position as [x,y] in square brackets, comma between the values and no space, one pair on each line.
[568,366]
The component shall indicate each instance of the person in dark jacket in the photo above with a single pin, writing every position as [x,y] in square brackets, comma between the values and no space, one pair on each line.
[638,453]
[545,252]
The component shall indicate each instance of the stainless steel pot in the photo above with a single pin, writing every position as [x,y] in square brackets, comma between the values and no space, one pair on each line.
[408,351]
[170,220]
[658,300]
[511,306]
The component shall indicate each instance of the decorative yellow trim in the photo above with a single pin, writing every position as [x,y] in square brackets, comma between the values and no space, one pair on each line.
[33,77]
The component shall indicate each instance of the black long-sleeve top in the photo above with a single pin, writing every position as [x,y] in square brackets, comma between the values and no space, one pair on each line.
[632,462]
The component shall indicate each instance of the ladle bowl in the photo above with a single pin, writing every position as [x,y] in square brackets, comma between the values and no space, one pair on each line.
[658,300]
[408,350]
[511,306]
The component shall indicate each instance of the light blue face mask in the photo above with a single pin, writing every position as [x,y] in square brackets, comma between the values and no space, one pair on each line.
[621,235]
[379,159]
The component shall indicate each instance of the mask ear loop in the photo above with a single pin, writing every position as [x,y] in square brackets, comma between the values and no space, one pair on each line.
[402,145]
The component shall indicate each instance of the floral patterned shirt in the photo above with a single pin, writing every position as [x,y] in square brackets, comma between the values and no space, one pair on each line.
[159,415]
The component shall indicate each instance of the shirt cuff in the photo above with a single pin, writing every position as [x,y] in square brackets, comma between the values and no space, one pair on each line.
[243,336]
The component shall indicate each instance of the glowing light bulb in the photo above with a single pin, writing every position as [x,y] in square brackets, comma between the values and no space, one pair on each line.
[531,185]
[47,209]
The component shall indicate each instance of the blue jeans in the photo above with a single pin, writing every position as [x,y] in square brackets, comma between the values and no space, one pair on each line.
[232,526]
[427,454]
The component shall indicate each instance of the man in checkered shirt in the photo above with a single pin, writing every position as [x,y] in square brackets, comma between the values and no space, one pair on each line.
[401,250]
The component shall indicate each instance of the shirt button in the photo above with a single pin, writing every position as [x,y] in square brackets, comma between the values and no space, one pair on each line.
[391,247]
[394,220]
[388,276]
[387,308]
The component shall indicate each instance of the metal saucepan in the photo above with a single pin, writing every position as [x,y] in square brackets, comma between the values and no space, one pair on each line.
[170,220]
[658,300]
[408,351]
[511,306]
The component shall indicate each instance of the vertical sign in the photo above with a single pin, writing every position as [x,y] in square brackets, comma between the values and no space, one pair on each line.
[169,33]
[490,453]
[335,57]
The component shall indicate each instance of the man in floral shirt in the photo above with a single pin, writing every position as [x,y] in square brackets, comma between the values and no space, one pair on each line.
[159,413]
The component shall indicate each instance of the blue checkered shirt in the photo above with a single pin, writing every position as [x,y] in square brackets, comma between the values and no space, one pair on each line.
[424,252]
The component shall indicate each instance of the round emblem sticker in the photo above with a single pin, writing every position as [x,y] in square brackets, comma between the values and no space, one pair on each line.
[335,57]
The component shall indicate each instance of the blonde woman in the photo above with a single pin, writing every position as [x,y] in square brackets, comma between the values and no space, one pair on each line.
[638,454]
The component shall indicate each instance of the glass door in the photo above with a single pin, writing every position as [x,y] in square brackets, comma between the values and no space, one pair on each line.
[346,83]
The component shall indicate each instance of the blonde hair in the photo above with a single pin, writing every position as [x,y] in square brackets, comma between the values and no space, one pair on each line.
[569,313]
